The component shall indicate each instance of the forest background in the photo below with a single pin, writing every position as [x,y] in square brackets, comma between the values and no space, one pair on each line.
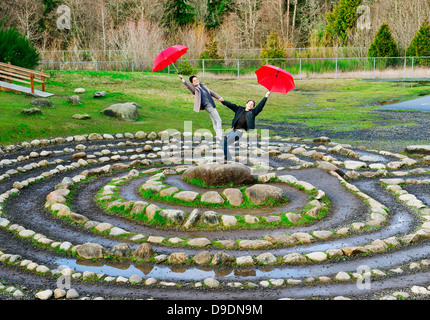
[139,29]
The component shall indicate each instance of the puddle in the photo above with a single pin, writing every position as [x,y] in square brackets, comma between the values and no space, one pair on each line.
[179,272]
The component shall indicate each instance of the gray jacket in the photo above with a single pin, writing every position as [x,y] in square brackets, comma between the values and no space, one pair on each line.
[198,97]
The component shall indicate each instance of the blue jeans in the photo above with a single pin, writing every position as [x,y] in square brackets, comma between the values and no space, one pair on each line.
[231,137]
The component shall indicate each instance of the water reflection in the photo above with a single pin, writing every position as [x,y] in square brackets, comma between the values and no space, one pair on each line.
[177,272]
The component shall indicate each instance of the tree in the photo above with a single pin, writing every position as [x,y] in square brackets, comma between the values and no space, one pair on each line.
[17,49]
[383,44]
[420,44]
[216,9]
[340,22]
[273,49]
[177,13]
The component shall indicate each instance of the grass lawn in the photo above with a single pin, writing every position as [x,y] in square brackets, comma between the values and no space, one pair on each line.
[166,103]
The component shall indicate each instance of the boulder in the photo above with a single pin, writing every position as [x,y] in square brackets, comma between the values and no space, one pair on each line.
[144,251]
[221,258]
[125,111]
[233,196]
[121,250]
[210,218]
[173,215]
[203,257]
[31,112]
[261,193]
[90,251]
[418,149]
[212,197]
[42,102]
[99,94]
[215,174]
[188,196]
[74,100]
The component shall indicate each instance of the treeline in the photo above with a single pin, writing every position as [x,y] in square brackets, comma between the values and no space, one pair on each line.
[139,29]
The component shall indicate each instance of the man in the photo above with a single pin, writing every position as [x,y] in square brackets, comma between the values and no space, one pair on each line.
[244,120]
[203,101]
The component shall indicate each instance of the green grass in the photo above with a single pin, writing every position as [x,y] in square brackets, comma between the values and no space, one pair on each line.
[166,104]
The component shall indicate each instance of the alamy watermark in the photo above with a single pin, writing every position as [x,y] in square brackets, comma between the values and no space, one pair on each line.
[200,147]
[64,21]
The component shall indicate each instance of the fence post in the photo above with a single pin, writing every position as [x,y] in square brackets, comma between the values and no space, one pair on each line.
[404,70]
[132,66]
[300,68]
[203,67]
[374,67]
[10,71]
[32,82]
[412,75]
[336,68]
[238,68]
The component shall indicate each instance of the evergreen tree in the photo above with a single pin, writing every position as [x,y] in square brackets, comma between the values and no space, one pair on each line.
[383,44]
[215,12]
[420,45]
[340,22]
[177,13]
[273,49]
[17,49]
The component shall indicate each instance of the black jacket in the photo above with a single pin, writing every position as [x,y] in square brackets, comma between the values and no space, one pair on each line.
[250,115]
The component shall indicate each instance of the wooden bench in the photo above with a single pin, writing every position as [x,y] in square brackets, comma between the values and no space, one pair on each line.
[10,73]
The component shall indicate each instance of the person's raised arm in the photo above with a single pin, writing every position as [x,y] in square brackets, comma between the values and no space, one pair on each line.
[189,86]
[229,105]
[261,105]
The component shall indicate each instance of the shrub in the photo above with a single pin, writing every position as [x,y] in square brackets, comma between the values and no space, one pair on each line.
[17,49]
[273,49]
[420,45]
[185,67]
[383,45]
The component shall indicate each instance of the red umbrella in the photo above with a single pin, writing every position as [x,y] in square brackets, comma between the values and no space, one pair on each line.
[275,79]
[168,56]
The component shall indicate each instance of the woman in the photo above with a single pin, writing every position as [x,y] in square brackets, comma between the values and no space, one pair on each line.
[203,101]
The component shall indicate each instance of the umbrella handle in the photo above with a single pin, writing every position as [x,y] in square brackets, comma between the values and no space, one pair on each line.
[175,68]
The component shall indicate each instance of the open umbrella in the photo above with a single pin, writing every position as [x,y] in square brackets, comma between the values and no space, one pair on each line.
[168,56]
[275,79]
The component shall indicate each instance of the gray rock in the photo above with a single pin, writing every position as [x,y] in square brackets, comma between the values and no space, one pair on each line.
[212,197]
[221,258]
[418,149]
[99,94]
[121,250]
[188,196]
[74,100]
[266,258]
[44,295]
[90,251]
[210,218]
[144,251]
[192,219]
[42,102]
[84,116]
[233,196]
[177,257]
[31,112]
[203,257]
[173,215]
[125,111]
[261,193]
[72,294]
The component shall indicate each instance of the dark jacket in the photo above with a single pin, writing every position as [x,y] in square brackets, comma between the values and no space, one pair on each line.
[250,115]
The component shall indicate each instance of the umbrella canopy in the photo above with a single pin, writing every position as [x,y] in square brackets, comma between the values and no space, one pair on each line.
[168,56]
[275,79]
